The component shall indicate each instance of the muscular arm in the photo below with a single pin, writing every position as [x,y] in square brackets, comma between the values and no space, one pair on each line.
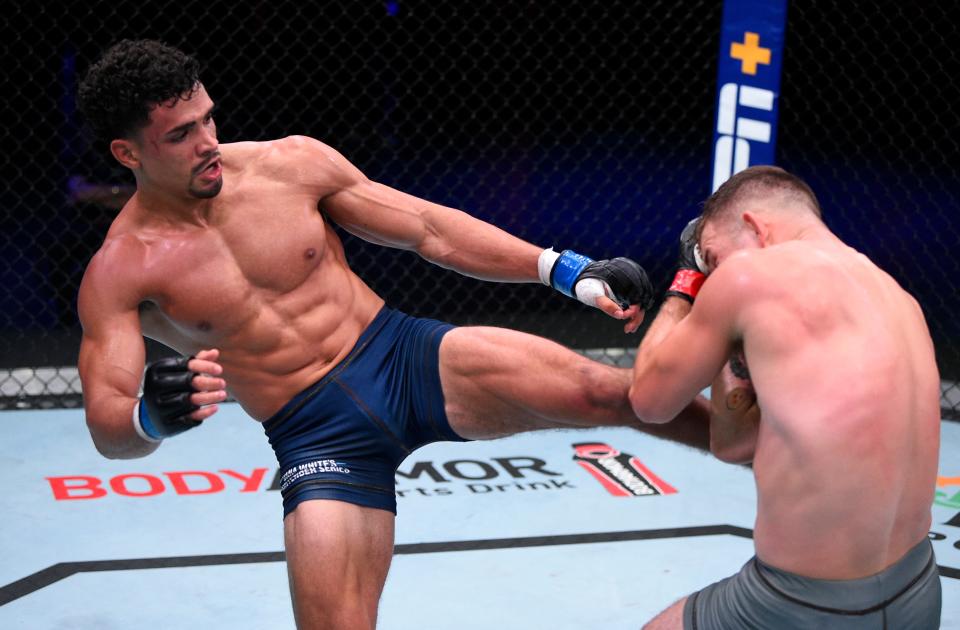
[731,413]
[686,347]
[110,365]
[734,418]
[447,237]
[672,311]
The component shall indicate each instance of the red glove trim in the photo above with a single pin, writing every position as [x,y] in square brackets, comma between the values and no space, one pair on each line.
[687,282]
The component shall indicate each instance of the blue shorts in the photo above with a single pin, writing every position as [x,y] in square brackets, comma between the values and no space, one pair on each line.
[343,437]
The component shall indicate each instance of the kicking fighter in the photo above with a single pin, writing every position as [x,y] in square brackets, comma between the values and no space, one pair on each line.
[225,253]
[831,391]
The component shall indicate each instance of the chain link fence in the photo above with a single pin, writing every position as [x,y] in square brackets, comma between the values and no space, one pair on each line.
[869,117]
[584,125]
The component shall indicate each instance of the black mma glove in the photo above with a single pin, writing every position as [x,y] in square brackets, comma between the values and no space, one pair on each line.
[165,406]
[621,279]
[689,275]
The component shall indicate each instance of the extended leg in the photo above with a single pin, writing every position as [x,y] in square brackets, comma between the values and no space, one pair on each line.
[498,382]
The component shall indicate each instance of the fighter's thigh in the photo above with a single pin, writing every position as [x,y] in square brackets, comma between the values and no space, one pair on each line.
[338,555]
[498,381]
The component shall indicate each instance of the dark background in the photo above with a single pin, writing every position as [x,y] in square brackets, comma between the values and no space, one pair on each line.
[585,125]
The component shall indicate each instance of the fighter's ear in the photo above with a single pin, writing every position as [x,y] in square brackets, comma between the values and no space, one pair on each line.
[125,152]
[756,224]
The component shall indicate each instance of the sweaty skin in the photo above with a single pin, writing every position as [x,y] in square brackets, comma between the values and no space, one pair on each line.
[225,252]
[256,270]
[844,369]
[264,279]
[845,458]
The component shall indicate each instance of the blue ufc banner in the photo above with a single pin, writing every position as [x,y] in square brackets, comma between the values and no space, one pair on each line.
[748,85]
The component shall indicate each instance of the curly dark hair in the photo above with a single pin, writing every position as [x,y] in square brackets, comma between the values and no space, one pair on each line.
[133,76]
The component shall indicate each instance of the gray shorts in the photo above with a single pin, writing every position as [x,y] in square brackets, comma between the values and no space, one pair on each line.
[906,595]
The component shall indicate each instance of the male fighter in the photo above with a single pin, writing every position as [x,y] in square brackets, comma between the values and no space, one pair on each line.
[844,433]
[224,253]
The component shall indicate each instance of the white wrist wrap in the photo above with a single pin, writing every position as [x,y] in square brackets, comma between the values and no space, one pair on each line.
[139,427]
[590,289]
[545,263]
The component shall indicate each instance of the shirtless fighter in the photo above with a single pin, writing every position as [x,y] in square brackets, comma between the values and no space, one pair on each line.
[834,397]
[224,253]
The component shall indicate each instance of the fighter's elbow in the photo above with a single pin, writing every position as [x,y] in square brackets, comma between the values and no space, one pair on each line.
[111,451]
[434,248]
[112,448]
[732,453]
[645,406]
[105,447]
[106,451]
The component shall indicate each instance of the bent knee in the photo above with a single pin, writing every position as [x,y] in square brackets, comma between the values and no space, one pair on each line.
[603,388]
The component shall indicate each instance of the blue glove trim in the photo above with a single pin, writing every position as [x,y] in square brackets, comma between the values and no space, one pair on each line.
[146,424]
[566,271]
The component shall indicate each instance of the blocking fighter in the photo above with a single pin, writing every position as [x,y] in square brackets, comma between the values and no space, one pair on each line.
[226,253]
[824,378]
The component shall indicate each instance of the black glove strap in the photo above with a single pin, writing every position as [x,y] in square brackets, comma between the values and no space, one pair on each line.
[627,280]
[685,296]
[167,387]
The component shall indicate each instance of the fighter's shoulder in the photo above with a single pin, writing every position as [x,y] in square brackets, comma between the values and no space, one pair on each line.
[115,272]
[120,255]
[745,271]
[291,156]
[250,156]
[287,148]
[791,273]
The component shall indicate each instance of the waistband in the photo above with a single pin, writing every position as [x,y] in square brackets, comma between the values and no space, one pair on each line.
[302,398]
[852,597]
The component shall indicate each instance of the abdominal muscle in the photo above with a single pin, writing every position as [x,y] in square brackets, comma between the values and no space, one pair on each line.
[263,382]
[274,346]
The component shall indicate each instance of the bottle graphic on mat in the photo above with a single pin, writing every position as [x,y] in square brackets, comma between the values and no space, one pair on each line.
[622,474]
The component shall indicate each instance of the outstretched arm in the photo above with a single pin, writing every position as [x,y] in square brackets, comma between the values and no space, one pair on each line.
[455,240]
[445,236]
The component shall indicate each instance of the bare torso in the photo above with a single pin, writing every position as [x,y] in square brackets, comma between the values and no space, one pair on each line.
[844,370]
[264,280]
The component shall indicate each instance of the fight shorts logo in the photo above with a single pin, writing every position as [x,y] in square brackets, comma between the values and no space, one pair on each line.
[309,469]
[622,474]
